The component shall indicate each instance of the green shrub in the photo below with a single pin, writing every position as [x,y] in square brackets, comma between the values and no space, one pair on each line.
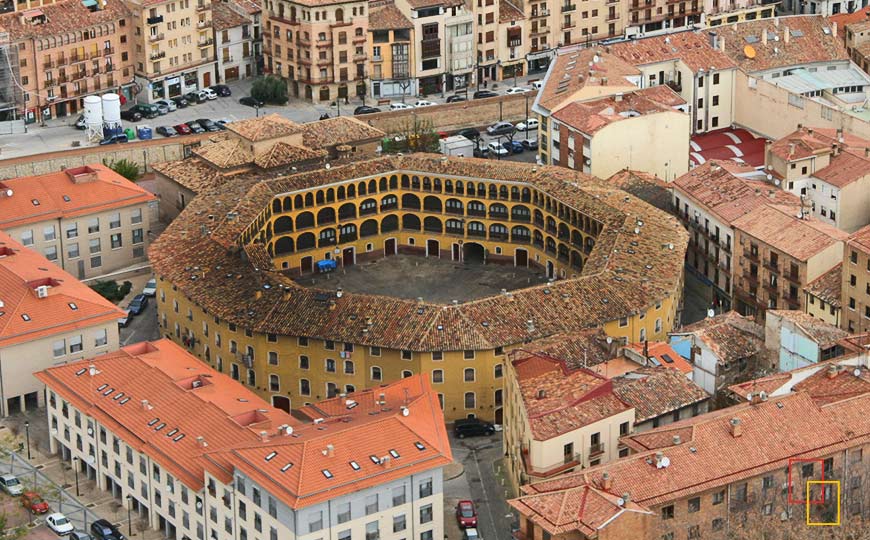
[111,291]
[270,90]
[126,168]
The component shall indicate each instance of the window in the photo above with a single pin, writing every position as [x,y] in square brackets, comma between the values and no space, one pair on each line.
[718,524]
[372,532]
[375,351]
[470,400]
[274,383]
[273,358]
[398,496]
[437,376]
[71,230]
[304,387]
[407,355]
[344,513]
[303,362]
[426,488]
[426,513]
[330,365]
[694,504]
[348,367]
[94,245]
[75,344]
[315,521]
[48,233]
[468,355]
[399,523]
[72,250]
[694,531]
[101,338]
[376,373]
[469,375]
[668,512]
[136,216]
[426,535]
[499,371]
[807,470]
[623,322]
[27,238]
[138,237]
[59,348]
[50,253]
[371,504]
[116,241]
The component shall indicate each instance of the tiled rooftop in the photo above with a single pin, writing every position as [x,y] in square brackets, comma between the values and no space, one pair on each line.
[824,334]
[338,130]
[70,304]
[593,115]
[692,48]
[811,40]
[77,191]
[645,186]
[828,286]
[843,19]
[662,354]
[225,15]
[717,187]
[655,391]
[509,12]
[781,228]
[263,128]
[388,17]
[59,19]
[570,72]
[850,163]
[614,282]
[730,336]
[860,239]
[825,382]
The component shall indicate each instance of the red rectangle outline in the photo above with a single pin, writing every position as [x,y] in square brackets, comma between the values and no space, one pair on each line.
[791,461]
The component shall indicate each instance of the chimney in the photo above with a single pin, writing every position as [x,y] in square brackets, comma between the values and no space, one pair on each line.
[659,456]
[835,149]
[606,481]
[264,436]
[200,441]
[840,135]
[810,131]
[287,294]
[258,294]
[542,393]
[834,29]
[626,497]
[764,37]
[386,462]
[330,450]
[832,371]
[776,22]
[145,405]
[677,440]
[791,147]
[786,35]
[867,152]
[736,429]
[722,43]
[618,97]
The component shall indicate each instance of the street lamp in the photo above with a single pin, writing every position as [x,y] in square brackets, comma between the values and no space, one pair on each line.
[76,470]
[129,515]
[27,437]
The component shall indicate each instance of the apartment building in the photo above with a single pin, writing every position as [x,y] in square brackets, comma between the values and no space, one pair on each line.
[87,220]
[390,52]
[856,283]
[732,473]
[499,40]
[173,47]
[829,170]
[234,41]
[657,16]
[444,44]
[317,47]
[198,455]
[708,199]
[47,317]
[795,339]
[781,253]
[694,65]
[719,12]
[823,296]
[563,415]
[646,129]
[67,51]
[512,45]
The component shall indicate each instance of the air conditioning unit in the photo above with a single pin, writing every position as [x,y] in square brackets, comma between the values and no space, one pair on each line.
[42,291]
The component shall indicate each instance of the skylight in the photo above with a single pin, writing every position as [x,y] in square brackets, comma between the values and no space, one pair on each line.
[66,198]
[125,400]
[326,473]
[286,467]
[355,466]
[160,426]
[419,445]
[172,432]
[102,387]
[35,202]
[108,391]
[178,437]
[25,316]
[374,459]
[73,306]
[394,454]
[271,455]
[118,396]
[153,421]
[81,372]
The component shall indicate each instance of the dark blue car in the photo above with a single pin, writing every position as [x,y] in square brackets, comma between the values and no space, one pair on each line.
[515,147]
[138,304]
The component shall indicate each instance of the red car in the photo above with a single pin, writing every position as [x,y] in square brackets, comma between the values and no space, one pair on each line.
[34,503]
[183,129]
[466,515]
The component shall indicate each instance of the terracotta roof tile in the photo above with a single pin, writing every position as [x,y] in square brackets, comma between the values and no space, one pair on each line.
[824,334]
[828,286]
[656,391]
[77,191]
[569,73]
[338,130]
[263,128]
[593,115]
[663,355]
[226,154]
[282,154]
[388,17]
[24,316]
[692,48]
[730,336]
[843,19]
[860,239]
[825,382]
[781,228]
[60,18]
[508,12]
[226,15]
[647,187]
[250,6]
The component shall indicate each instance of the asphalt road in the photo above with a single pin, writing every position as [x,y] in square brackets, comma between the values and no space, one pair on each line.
[143,327]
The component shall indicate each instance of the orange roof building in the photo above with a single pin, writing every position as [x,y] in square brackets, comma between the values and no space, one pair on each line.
[190,425]
[88,220]
[46,317]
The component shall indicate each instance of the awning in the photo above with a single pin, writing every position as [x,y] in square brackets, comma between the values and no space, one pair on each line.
[540,55]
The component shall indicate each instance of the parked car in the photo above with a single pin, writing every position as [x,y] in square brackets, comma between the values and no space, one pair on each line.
[195,97]
[101,529]
[167,131]
[150,288]
[467,427]
[124,320]
[168,103]
[466,515]
[79,535]
[480,94]
[469,133]
[147,110]
[183,129]
[517,90]
[531,124]
[537,85]
[365,109]
[209,93]
[470,534]
[498,149]
[138,304]
[33,502]
[515,147]
[80,122]
[180,102]
[131,116]
[59,524]
[251,102]
[119,138]
[481,152]
[530,144]
[11,485]
[161,109]
[195,127]
[424,103]
[400,106]
[207,124]
[221,123]
[500,128]
[455,98]
[221,90]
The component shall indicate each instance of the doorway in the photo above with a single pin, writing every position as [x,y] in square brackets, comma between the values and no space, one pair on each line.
[306,265]
[348,257]
[390,247]
[521,258]
[281,402]
[551,270]
[433,248]
[455,253]
[206,79]
[473,253]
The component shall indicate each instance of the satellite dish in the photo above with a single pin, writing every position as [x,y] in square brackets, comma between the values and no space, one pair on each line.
[749,52]
[405,411]
[8,192]
[749,396]
[776,182]
[609,340]
[711,313]
[288,430]
[596,58]
[620,502]
[663,464]
[857,372]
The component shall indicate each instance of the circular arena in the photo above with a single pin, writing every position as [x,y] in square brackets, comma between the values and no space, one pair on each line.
[324,282]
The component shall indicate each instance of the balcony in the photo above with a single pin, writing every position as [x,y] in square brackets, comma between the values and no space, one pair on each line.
[205,42]
[79,75]
[154,20]
[540,30]
[773,267]
[569,24]
[156,37]
[568,7]
[773,288]
[750,255]
[430,48]
[203,6]
[612,17]
[48,64]
[596,449]
[157,55]
[108,51]
[517,42]
[203,24]
[793,302]
[751,278]
[540,13]
[567,462]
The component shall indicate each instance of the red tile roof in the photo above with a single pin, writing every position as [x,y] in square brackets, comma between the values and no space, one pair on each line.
[656,391]
[61,18]
[825,382]
[737,145]
[226,15]
[843,19]
[241,430]
[848,165]
[860,239]
[828,287]
[388,17]
[570,72]
[730,336]
[692,48]
[89,190]
[661,352]
[70,305]
[780,228]
[593,115]
[822,333]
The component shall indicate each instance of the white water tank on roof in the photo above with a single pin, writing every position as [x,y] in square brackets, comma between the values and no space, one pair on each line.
[93,110]
[112,109]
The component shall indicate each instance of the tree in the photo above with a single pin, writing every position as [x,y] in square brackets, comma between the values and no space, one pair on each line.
[126,168]
[270,90]
[111,291]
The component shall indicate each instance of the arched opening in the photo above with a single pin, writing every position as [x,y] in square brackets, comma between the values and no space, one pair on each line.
[288,204]
[327,237]
[283,224]
[432,224]
[369,227]
[276,206]
[325,215]
[551,270]
[281,402]
[473,253]
[389,224]
[432,204]
[410,201]
[347,211]
[305,241]
[284,245]
[304,220]
[410,221]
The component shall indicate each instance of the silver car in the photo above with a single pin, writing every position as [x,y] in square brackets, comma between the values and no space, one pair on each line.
[168,103]
[11,485]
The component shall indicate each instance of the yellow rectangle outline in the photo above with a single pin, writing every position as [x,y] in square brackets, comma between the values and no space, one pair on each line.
[823,523]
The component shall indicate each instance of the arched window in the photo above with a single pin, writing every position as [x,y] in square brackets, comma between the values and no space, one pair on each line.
[369,227]
[304,220]
[432,224]
[382,185]
[348,367]
[274,383]
[498,211]
[389,202]
[410,201]
[297,201]
[361,190]
[407,373]
[470,400]
[330,195]
[520,234]
[304,387]
[341,194]
[437,376]
[460,188]
[448,186]
[476,228]
[309,199]
[476,208]
[389,224]
[327,237]
[347,211]
[276,206]
[503,192]
[368,206]
[373,186]
[453,206]
[551,245]
[411,222]
[497,231]
[551,225]
[288,204]
[319,197]
[283,224]
[538,238]
[539,218]
[284,245]
[347,233]
[454,226]
[325,215]
[515,193]
[432,204]
[305,241]
[521,213]
[577,239]
[468,374]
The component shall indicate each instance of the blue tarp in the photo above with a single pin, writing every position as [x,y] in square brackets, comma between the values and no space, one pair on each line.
[326,265]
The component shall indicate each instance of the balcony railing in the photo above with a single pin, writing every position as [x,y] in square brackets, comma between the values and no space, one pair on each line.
[205,42]
[568,7]
[156,37]
[566,462]
[157,55]
[596,449]
[540,13]
[750,255]
[202,7]
[108,51]
[203,24]
[154,20]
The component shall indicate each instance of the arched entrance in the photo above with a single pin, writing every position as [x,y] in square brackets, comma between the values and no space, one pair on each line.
[473,253]
[499,416]
[281,402]
[551,270]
